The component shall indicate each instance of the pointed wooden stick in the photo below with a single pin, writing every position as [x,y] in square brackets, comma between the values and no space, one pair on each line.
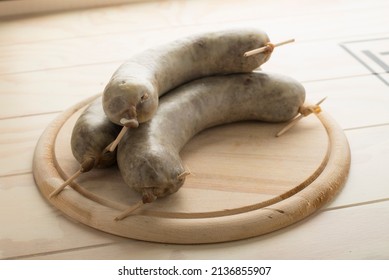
[268,46]
[129,210]
[132,123]
[89,164]
[86,165]
[70,179]
[187,170]
[290,125]
[111,147]
[184,174]
[299,117]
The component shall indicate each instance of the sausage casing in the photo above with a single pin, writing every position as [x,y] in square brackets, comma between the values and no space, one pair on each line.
[148,157]
[91,134]
[133,91]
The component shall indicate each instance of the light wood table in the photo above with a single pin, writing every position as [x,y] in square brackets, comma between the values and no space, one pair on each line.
[49,62]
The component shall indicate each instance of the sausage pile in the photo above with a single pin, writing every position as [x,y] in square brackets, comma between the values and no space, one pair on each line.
[207,81]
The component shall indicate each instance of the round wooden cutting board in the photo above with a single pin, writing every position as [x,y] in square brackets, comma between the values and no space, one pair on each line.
[245,181]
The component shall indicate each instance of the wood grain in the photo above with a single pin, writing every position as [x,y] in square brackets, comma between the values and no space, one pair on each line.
[40,228]
[18,139]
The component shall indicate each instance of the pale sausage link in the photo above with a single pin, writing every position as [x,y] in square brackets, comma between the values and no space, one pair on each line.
[133,91]
[148,157]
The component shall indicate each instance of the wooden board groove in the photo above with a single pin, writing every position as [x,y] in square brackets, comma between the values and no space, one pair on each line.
[317,154]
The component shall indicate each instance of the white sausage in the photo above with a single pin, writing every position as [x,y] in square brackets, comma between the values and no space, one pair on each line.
[148,157]
[91,134]
[131,96]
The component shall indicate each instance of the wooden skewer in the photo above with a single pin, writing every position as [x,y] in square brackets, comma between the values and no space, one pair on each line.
[88,165]
[299,117]
[290,125]
[70,179]
[129,210]
[184,174]
[111,147]
[187,170]
[269,46]
[126,125]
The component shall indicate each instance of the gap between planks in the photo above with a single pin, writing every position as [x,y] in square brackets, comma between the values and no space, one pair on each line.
[29,115]
[118,61]
[364,203]
[16,174]
[62,251]
[366,127]
[343,77]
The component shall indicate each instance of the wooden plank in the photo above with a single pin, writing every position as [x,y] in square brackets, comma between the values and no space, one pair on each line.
[300,56]
[171,14]
[55,90]
[354,102]
[12,8]
[31,226]
[87,22]
[350,233]
[368,174]
[18,139]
